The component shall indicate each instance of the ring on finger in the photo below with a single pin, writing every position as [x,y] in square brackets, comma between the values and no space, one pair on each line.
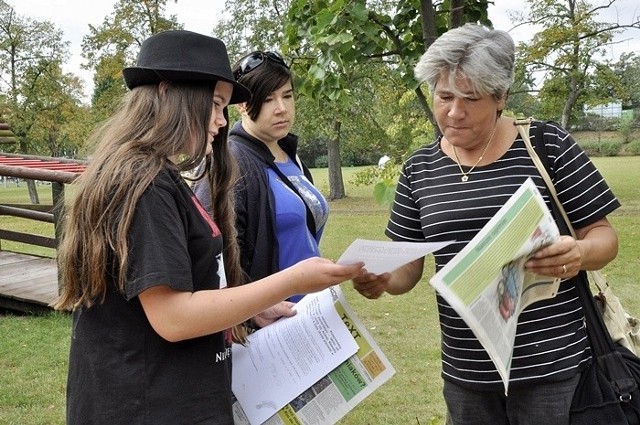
[564,269]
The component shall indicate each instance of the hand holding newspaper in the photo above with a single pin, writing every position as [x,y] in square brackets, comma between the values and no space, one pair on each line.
[312,368]
[487,284]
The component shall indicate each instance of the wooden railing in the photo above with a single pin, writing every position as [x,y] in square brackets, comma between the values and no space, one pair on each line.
[58,172]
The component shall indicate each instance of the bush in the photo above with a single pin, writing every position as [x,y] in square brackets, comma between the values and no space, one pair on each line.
[592,122]
[608,148]
[366,176]
[374,174]
[625,127]
[322,161]
[359,156]
[384,179]
[591,148]
[632,148]
[311,149]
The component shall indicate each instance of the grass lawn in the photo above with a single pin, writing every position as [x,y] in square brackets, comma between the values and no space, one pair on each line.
[34,350]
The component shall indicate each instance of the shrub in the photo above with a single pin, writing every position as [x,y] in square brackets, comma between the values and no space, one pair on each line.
[592,122]
[366,176]
[591,148]
[374,174]
[625,127]
[610,148]
[384,179]
[632,148]
[310,149]
[322,161]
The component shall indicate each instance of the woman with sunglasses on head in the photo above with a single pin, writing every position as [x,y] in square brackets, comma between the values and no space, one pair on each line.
[154,282]
[280,214]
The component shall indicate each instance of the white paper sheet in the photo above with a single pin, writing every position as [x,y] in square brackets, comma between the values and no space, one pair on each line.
[386,256]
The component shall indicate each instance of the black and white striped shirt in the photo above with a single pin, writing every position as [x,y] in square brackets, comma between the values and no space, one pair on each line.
[432,204]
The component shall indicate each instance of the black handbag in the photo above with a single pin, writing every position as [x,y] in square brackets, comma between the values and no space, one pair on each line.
[607,392]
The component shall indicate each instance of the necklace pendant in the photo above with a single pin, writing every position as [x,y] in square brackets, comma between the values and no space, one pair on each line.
[464,178]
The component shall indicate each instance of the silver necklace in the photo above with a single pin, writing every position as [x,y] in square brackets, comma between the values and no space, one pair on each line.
[465,176]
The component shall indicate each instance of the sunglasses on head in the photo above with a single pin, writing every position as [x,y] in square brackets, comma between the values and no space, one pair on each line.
[254,60]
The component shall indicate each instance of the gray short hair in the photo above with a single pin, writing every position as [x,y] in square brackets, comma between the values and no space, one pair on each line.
[485,57]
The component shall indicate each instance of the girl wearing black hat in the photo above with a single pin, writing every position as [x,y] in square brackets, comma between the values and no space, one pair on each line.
[143,264]
[280,214]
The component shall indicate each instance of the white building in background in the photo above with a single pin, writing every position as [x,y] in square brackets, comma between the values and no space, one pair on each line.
[608,110]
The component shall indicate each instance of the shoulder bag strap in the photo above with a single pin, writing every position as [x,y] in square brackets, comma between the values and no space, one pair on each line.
[601,341]
[523,128]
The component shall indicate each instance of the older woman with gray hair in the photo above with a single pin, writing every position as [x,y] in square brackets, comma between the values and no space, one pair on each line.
[449,189]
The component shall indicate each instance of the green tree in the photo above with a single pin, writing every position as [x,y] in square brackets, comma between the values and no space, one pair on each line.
[115,44]
[521,101]
[260,25]
[334,41]
[252,25]
[567,51]
[347,33]
[31,57]
[627,69]
[52,107]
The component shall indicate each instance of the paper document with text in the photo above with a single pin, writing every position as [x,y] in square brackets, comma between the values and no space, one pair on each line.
[486,282]
[320,400]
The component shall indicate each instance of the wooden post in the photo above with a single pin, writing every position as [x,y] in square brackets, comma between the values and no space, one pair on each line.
[57,196]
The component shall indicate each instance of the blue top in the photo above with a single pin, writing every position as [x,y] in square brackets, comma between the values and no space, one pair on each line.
[294,238]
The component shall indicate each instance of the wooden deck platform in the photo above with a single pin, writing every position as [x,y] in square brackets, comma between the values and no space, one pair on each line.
[28,283]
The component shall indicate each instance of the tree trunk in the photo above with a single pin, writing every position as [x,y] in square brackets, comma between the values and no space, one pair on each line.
[422,100]
[429,35]
[428,15]
[336,185]
[31,185]
[33,192]
[456,14]
[570,103]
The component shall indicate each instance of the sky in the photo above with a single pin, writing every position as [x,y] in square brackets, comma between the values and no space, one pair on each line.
[74,16]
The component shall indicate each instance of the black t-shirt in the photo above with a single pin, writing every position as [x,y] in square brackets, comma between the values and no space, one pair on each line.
[120,369]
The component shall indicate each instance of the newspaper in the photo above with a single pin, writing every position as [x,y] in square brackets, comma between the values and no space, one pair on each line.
[346,382]
[487,284]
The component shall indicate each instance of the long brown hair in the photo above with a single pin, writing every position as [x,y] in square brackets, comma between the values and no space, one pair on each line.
[152,124]
[222,172]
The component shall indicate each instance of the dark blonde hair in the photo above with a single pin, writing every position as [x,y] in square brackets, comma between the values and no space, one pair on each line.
[153,123]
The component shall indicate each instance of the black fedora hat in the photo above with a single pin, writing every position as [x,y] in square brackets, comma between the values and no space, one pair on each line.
[183,56]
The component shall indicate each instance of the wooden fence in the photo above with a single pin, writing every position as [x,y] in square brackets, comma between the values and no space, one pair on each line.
[28,283]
